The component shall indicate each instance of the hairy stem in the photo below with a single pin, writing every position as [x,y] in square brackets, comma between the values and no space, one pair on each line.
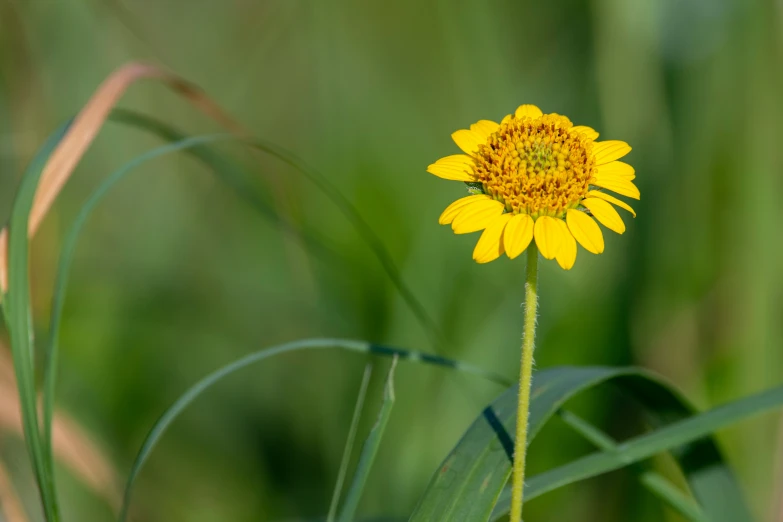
[525,377]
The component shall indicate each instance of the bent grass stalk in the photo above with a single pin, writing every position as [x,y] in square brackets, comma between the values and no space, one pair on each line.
[525,379]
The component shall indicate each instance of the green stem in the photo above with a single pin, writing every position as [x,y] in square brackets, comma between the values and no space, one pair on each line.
[525,378]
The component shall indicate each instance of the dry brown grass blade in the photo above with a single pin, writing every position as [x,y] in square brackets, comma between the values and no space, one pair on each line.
[85,128]
[10,503]
[71,444]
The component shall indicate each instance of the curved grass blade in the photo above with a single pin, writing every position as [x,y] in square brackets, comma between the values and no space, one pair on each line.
[369,450]
[481,461]
[16,308]
[322,182]
[357,413]
[307,344]
[656,483]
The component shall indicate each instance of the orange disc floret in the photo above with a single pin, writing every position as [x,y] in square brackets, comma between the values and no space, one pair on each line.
[536,166]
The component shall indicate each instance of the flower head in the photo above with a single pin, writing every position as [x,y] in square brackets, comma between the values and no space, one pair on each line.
[536,175]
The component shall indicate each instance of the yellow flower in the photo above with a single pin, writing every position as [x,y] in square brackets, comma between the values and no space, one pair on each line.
[536,175]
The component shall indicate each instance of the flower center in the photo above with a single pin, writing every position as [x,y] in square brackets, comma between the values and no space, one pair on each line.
[536,166]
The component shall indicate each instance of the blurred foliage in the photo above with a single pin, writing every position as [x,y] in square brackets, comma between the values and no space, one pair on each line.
[176,276]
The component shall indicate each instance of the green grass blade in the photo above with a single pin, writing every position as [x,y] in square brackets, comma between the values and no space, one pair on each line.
[667,438]
[16,308]
[357,413]
[654,482]
[481,461]
[369,450]
[201,386]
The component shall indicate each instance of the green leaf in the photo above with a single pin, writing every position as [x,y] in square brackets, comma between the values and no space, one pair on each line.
[669,437]
[16,309]
[369,450]
[357,413]
[480,464]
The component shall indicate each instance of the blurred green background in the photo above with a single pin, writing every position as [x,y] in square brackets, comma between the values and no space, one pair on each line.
[175,275]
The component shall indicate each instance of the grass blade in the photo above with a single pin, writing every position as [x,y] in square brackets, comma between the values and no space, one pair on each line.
[654,482]
[369,450]
[664,439]
[357,413]
[16,308]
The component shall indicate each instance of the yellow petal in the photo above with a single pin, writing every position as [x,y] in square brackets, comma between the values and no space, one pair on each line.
[611,199]
[606,151]
[622,186]
[468,141]
[586,131]
[505,119]
[455,208]
[477,216]
[530,111]
[490,244]
[566,256]
[458,167]
[519,233]
[617,168]
[605,214]
[585,230]
[484,128]
[549,236]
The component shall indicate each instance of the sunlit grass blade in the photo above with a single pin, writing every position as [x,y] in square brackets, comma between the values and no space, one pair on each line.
[85,127]
[481,461]
[346,459]
[654,482]
[369,450]
[16,309]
